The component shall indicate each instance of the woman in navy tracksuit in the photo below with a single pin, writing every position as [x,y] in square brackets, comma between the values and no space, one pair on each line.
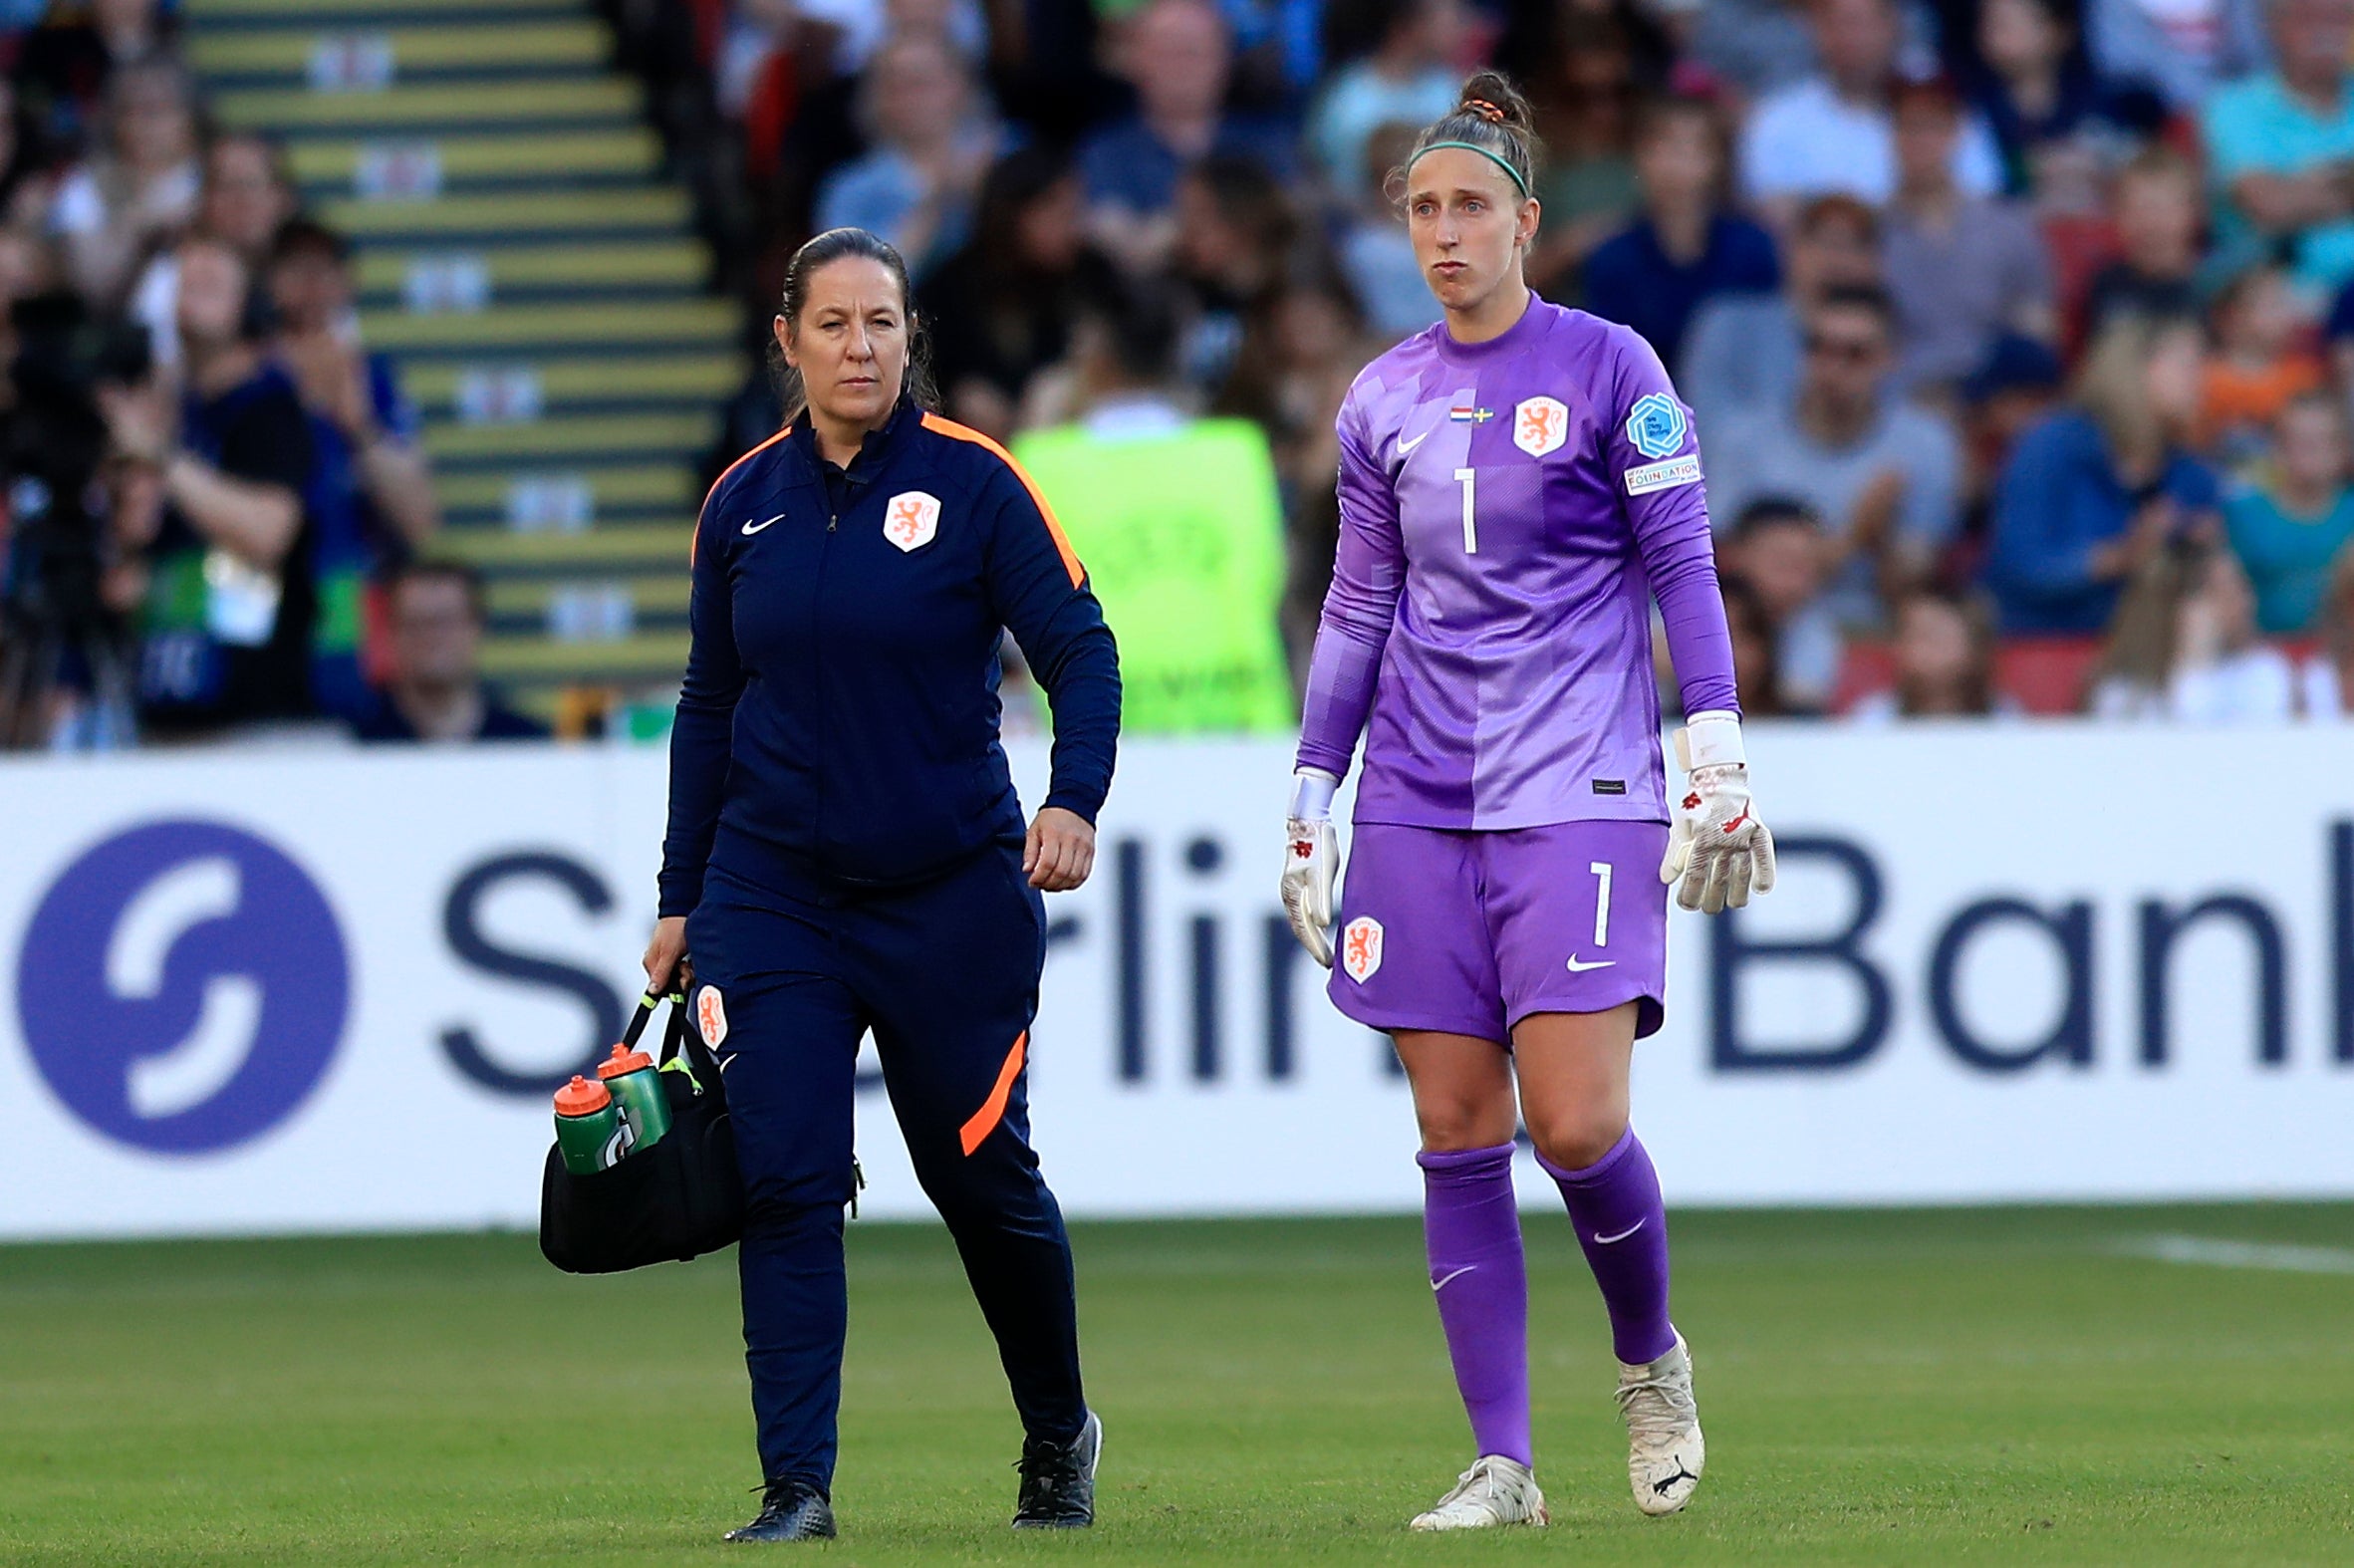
[846,853]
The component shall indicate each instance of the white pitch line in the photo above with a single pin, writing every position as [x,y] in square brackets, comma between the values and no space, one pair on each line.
[2207,1252]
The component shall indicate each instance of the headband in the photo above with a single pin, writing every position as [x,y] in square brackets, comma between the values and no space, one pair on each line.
[1473,146]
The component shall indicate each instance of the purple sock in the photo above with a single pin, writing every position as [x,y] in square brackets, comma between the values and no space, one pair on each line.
[1471,1230]
[1623,1226]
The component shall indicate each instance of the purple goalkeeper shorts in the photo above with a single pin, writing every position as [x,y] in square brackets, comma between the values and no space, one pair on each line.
[1470,933]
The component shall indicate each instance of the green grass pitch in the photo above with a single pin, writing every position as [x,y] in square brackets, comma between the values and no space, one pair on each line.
[1925,1386]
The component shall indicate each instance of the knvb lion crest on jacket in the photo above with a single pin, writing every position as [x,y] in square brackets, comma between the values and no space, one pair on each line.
[911,519]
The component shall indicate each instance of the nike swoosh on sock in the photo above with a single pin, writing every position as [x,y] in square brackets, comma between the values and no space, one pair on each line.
[1624,1234]
[1442,1282]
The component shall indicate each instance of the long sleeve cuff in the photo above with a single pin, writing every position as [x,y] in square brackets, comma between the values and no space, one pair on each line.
[1083,804]
[678,891]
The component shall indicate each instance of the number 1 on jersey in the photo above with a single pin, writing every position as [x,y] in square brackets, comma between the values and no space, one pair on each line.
[1466,478]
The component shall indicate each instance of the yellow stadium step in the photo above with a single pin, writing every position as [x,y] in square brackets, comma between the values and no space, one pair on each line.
[653,654]
[442,385]
[288,112]
[491,271]
[547,496]
[206,14]
[527,215]
[685,434]
[689,320]
[664,595]
[633,152]
[470,46]
[523,256]
[646,546]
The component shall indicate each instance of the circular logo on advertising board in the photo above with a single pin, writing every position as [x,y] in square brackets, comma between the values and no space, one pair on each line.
[182,986]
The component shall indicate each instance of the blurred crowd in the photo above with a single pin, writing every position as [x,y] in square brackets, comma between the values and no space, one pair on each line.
[2018,332]
[215,518]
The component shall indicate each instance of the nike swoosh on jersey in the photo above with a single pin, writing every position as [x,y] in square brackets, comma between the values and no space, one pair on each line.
[1624,1234]
[753,528]
[1442,1281]
[1576,968]
[1405,446]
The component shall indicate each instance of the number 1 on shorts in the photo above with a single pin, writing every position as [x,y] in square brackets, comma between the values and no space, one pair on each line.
[1601,871]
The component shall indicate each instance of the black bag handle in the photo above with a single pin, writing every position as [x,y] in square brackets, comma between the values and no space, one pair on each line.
[678,1037]
[644,1015]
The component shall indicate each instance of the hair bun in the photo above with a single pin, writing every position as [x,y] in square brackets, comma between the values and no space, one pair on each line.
[1492,97]
[1492,119]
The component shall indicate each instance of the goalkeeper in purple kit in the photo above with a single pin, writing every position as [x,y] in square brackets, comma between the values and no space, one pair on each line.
[1517,484]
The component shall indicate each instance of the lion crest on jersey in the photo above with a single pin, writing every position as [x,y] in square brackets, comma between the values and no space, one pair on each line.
[912,518]
[1655,425]
[1360,949]
[1540,426]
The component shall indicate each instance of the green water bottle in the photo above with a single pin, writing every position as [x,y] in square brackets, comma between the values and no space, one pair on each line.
[589,1128]
[638,1090]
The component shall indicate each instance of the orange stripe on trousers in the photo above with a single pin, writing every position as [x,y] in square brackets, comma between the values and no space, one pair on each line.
[992,1110]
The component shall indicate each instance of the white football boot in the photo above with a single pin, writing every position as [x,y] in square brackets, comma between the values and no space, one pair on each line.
[1664,1454]
[1494,1490]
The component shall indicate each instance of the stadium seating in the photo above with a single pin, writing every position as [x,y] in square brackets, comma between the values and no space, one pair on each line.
[526,260]
[2046,675]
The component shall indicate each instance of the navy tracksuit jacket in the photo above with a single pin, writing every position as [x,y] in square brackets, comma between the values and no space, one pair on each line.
[845,841]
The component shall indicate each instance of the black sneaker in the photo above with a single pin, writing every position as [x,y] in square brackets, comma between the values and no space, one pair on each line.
[790,1510]
[1058,1482]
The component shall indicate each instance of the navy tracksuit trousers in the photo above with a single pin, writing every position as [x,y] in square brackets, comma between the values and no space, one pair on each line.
[944,973]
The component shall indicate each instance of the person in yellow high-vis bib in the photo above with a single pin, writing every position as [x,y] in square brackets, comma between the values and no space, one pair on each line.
[1182,527]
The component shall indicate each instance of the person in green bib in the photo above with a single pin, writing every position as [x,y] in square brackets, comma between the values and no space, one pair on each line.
[1182,526]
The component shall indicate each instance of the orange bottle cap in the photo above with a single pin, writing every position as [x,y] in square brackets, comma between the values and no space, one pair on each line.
[623,1060]
[582,1098]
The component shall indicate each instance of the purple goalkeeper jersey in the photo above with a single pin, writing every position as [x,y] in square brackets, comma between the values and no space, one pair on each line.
[1508,509]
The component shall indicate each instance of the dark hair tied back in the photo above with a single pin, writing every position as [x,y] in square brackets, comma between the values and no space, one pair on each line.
[839,245]
[1488,115]
[1492,115]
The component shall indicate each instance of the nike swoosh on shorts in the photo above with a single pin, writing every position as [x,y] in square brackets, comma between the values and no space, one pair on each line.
[1576,968]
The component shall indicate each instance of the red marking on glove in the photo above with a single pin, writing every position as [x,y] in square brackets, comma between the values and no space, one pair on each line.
[1302,847]
[1737,821]
[1692,802]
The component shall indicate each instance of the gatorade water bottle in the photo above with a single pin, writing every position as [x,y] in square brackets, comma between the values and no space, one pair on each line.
[589,1128]
[638,1089]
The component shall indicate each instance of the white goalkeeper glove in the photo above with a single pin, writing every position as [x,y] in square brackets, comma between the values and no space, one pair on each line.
[1718,844]
[1311,860]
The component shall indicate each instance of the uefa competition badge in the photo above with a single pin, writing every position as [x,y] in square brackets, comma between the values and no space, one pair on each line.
[182,986]
[1655,425]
